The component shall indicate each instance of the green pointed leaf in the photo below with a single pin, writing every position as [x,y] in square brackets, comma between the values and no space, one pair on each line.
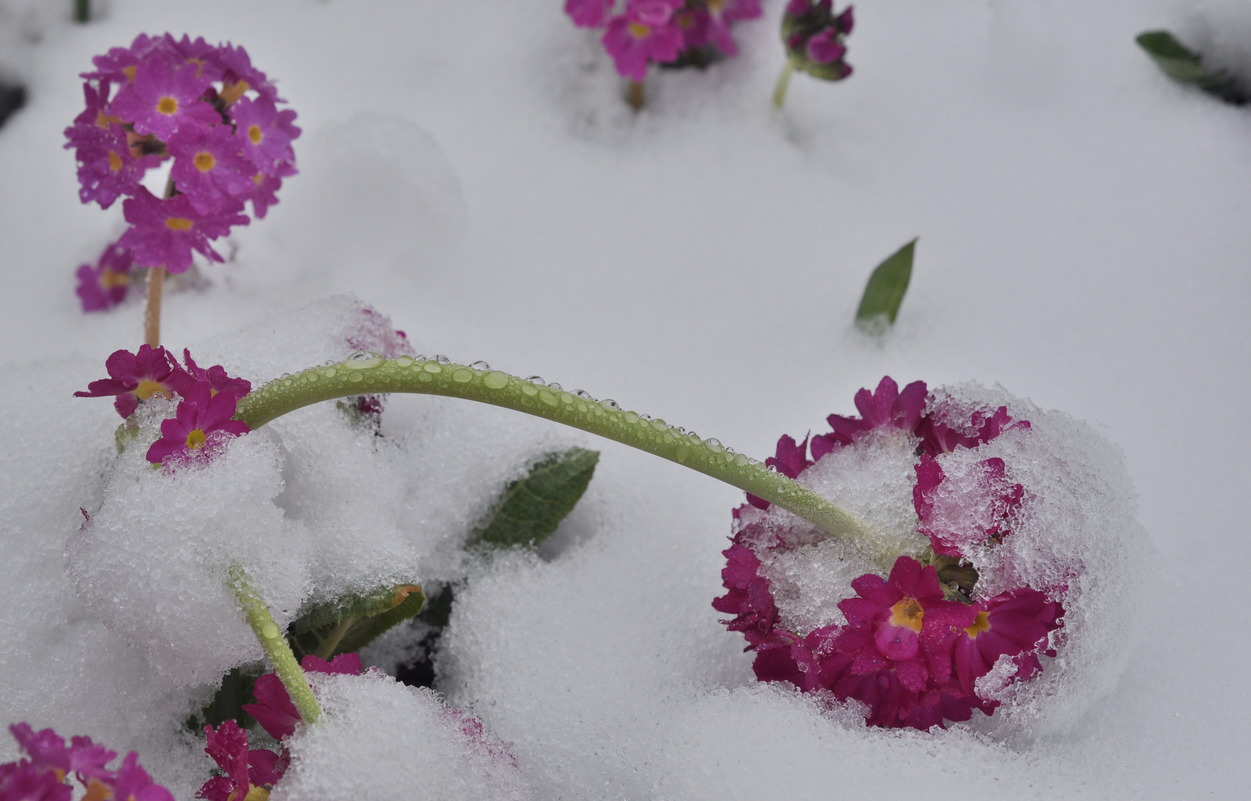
[531,508]
[367,629]
[1186,66]
[884,293]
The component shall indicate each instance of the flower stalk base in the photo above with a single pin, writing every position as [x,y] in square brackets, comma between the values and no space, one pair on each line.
[366,374]
[783,84]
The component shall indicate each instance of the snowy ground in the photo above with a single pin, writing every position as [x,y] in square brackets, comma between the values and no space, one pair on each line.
[469,170]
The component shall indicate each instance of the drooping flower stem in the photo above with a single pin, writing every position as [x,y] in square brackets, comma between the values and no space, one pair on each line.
[372,374]
[783,84]
[274,641]
[635,95]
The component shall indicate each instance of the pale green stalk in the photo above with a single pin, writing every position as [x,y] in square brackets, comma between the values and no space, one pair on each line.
[275,644]
[367,374]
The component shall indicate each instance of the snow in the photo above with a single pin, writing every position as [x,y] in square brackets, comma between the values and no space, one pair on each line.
[470,171]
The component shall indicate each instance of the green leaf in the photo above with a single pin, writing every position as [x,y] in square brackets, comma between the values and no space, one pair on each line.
[1186,66]
[531,508]
[352,622]
[884,293]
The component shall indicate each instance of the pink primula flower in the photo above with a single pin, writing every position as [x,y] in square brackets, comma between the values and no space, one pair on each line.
[163,233]
[244,769]
[202,423]
[209,170]
[588,13]
[644,34]
[162,100]
[274,709]
[135,377]
[52,763]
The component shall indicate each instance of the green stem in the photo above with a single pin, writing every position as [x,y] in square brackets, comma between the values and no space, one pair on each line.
[784,82]
[275,644]
[366,374]
[326,651]
[82,10]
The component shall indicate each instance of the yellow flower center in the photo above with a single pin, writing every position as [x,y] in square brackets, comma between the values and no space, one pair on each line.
[167,106]
[256,794]
[147,388]
[97,791]
[195,439]
[908,614]
[715,5]
[178,224]
[255,134]
[115,161]
[980,623]
[638,30]
[129,72]
[204,161]
[112,279]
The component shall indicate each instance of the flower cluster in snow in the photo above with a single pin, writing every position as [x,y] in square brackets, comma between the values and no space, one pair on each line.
[644,32]
[207,110]
[917,647]
[43,775]
[813,35]
[207,399]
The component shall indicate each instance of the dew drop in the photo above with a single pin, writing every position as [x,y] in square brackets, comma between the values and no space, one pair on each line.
[554,387]
[631,417]
[363,356]
[441,359]
[432,367]
[548,398]
[741,460]
[330,372]
[529,389]
[714,445]
[421,357]
[425,376]
[355,377]
[462,376]
[496,380]
[405,361]
[537,379]
[269,631]
[479,365]
[583,394]
[659,425]
[610,404]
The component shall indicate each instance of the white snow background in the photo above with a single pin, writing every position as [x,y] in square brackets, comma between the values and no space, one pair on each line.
[469,170]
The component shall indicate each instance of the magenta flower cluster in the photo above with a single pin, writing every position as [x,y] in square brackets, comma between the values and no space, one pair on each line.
[639,33]
[813,35]
[245,769]
[204,418]
[205,109]
[44,774]
[912,648]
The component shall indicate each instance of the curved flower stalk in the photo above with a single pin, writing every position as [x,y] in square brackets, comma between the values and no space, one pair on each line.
[209,112]
[813,35]
[368,373]
[913,646]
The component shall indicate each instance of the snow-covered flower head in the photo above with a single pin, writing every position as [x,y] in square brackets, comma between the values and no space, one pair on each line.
[912,646]
[206,108]
[51,763]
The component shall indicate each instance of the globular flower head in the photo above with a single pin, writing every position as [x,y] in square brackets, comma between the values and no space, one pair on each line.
[814,34]
[206,107]
[913,646]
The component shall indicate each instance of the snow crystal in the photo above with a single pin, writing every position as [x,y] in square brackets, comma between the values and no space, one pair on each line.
[380,739]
